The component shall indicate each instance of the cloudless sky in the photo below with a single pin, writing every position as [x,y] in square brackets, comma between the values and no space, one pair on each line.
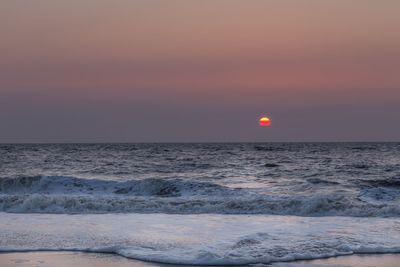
[198,71]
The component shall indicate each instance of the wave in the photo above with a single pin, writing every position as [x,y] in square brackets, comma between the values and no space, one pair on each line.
[74,185]
[47,194]
[208,258]
[311,206]
[201,239]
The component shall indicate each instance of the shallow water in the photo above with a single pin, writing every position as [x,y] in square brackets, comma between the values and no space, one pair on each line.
[201,239]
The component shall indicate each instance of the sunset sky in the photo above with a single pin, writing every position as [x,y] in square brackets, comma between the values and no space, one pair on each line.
[198,71]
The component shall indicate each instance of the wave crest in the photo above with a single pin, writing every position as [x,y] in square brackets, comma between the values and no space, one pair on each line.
[44,194]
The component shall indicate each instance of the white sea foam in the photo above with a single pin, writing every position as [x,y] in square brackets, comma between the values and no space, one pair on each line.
[59,194]
[201,239]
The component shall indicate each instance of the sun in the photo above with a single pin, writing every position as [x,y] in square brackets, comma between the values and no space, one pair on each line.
[264,121]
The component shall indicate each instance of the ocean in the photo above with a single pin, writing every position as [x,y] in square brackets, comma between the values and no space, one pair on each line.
[204,204]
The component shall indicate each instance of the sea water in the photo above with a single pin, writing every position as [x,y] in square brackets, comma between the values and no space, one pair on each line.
[214,204]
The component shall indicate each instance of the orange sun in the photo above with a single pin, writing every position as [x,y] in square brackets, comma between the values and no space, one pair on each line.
[264,121]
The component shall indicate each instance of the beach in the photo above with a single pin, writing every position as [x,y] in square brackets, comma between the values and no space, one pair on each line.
[201,204]
[67,259]
[154,133]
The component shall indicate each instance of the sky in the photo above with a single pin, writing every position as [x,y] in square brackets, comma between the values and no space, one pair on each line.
[199,71]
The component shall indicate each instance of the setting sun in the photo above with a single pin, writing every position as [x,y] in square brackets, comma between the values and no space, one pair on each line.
[264,121]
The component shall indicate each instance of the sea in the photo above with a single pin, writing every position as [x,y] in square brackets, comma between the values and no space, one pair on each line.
[202,203]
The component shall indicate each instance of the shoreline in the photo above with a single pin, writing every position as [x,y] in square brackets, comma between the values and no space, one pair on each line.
[88,259]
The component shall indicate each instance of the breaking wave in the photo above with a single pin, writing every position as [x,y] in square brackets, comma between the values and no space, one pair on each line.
[59,194]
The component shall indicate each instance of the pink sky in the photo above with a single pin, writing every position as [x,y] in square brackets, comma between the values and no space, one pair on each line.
[98,71]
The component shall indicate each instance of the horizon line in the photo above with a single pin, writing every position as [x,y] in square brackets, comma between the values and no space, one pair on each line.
[189,142]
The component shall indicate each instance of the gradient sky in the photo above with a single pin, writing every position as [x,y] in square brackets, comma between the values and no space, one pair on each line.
[189,71]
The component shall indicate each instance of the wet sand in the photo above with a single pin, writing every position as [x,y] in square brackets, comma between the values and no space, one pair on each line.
[360,260]
[79,259]
[67,259]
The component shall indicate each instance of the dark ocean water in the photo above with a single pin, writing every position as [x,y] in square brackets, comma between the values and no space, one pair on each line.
[307,179]
[215,204]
